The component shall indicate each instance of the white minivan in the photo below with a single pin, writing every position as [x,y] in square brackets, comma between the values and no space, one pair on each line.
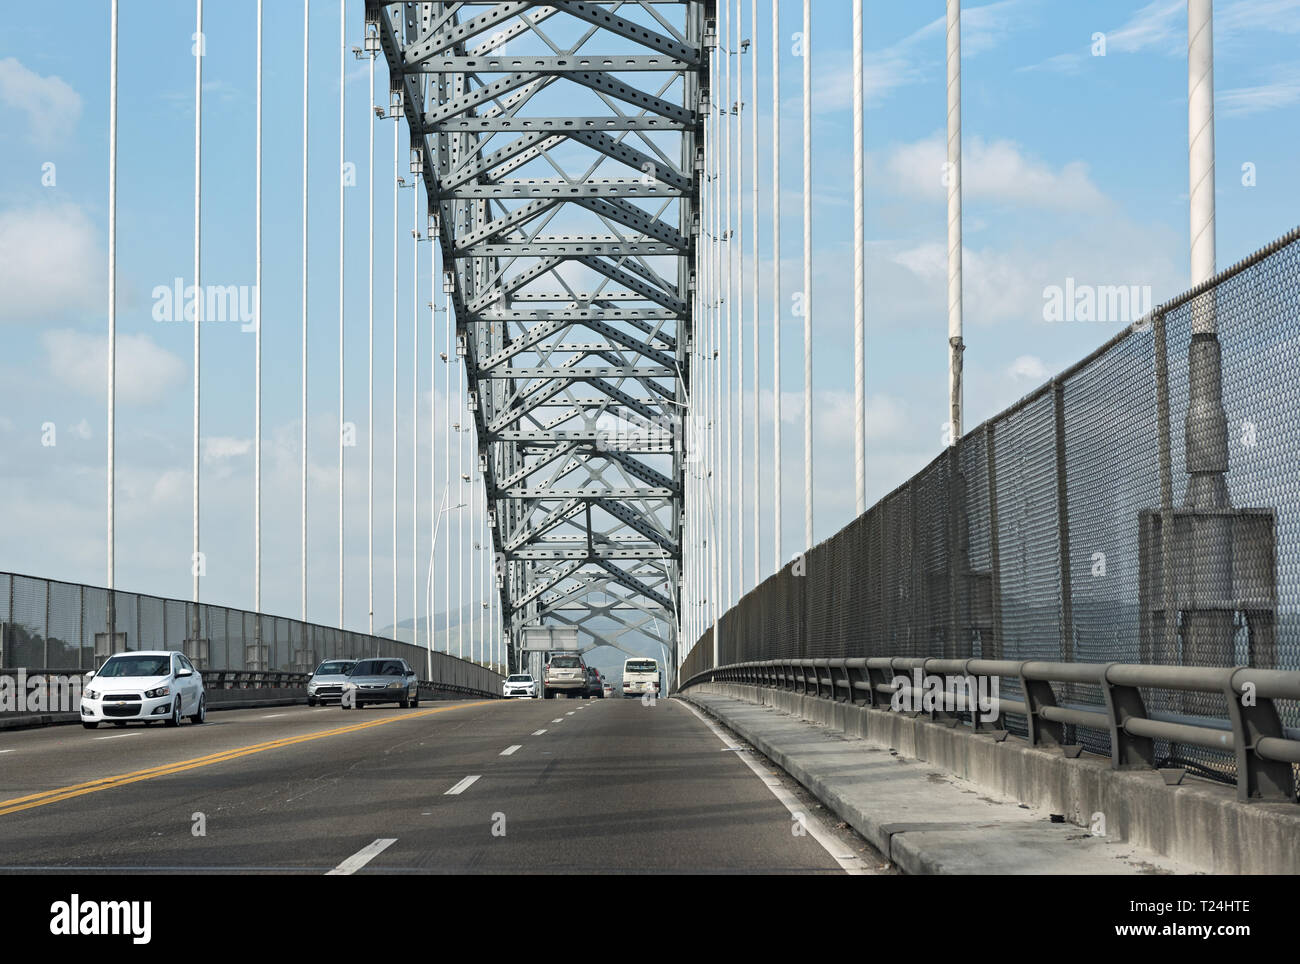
[148,685]
[640,676]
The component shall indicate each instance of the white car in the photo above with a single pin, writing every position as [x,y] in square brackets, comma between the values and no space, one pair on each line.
[520,684]
[147,686]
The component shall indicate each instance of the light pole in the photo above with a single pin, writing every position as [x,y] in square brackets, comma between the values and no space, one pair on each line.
[428,582]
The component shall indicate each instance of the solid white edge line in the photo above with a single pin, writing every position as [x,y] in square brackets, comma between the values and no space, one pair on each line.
[462,786]
[362,857]
[812,823]
[509,751]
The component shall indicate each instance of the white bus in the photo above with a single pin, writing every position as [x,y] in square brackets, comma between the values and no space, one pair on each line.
[640,675]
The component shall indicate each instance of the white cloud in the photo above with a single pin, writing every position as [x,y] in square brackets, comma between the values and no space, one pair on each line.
[1029,368]
[1275,16]
[51,105]
[219,447]
[172,487]
[918,55]
[1243,101]
[1162,24]
[145,371]
[997,171]
[50,263]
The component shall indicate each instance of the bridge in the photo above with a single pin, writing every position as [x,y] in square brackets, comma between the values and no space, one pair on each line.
[1067,644]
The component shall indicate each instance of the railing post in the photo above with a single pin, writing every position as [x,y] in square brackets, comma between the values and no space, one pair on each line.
[1257,778]
[878,674]
[1125,703]
[1039,693]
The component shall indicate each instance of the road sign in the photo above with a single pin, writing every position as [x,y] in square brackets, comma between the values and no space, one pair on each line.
[549,639]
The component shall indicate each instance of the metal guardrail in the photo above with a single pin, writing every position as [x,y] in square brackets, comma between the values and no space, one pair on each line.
[224,679]
[1264,750]
[237,679]
[232,679]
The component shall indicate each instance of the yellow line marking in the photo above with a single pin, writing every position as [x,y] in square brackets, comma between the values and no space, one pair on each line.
[106,783]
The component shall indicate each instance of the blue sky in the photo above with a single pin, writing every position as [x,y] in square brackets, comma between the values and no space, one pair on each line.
[1075,167]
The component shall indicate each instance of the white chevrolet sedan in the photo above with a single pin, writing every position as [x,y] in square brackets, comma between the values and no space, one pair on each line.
[144,686]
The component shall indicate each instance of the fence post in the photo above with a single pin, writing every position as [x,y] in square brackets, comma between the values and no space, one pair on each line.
[994,651]
[1063,528]
[1063,535]
[45,636]
[957,567]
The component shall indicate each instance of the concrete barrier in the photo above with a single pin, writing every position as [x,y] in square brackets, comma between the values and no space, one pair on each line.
[1197,823]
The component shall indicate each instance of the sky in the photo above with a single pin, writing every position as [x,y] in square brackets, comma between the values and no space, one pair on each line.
[1075,172]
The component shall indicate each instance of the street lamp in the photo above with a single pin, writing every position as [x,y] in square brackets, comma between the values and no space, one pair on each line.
[428,583]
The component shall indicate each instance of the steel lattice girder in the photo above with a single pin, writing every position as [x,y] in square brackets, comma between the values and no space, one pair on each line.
[559,145]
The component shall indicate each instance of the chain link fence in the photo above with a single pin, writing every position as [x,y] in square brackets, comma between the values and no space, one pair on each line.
[1129,510]
[63,626]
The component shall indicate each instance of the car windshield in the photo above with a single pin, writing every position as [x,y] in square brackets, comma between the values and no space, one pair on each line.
[336,667]
[378,667]
[136,666]
[521,679]
[641,666]
[565,662]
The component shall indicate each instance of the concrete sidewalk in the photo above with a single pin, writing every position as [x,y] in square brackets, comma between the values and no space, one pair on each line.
[924,820]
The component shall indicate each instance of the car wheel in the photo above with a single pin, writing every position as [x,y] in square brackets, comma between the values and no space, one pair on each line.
[311,701]
[90,726]
[415,700]
[404,704]
[201,714]
[175,718]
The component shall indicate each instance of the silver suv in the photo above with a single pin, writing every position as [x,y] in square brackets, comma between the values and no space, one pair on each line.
[326,684]
[565,673]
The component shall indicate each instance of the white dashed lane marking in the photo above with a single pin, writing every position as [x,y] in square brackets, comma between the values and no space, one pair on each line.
[462,786]
[508,751]
[362,857]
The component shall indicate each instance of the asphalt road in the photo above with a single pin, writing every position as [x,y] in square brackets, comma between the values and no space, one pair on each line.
[538,786]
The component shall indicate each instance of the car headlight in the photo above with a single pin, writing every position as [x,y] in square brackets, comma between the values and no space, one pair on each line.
[394,685]
[92,694]
[154,694]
